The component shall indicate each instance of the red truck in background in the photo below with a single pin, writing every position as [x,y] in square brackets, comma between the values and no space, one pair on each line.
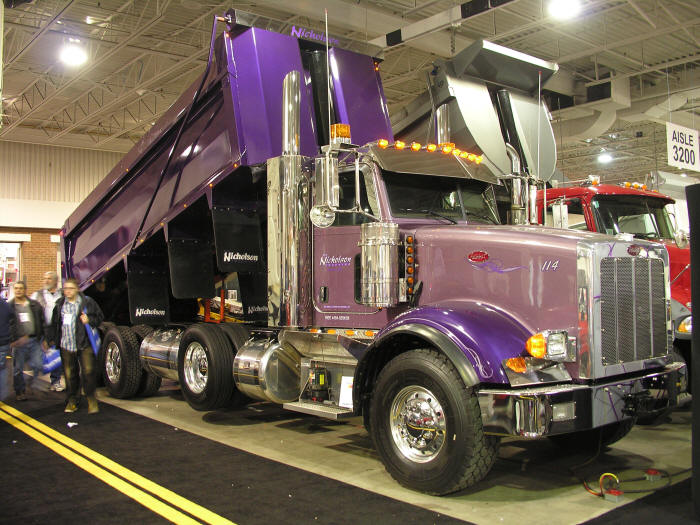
[631,209]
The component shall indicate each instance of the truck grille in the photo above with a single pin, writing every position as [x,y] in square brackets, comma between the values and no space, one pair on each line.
[633,309]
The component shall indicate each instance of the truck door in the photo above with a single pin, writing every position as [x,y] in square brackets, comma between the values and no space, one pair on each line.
[337,255]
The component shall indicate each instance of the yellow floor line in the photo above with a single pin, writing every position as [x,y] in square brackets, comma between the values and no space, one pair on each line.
[167,495]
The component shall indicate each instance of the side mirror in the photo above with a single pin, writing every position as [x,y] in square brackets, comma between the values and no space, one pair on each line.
[681,238]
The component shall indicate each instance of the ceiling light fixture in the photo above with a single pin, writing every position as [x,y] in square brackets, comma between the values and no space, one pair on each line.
[564,9]
[73,53]
[605,158]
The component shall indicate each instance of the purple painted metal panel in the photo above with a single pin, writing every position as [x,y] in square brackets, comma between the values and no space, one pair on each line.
[513,269]
[261,60]
[335,249]
[359,96]
[485,336]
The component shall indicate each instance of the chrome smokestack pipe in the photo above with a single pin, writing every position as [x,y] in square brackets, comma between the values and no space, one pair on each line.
[290,114]
[442,124]
[288,225]
[519,192]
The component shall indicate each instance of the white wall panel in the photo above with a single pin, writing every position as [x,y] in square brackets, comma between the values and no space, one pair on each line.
[50,173]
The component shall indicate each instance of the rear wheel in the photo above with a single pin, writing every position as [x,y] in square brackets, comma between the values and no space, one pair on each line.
[237,335]
[122,369]
[150,383]
[426,425]
[205,367]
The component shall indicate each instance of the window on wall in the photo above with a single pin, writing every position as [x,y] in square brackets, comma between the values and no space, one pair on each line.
[9,266]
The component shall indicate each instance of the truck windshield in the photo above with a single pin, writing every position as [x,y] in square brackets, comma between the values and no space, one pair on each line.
[643,217]
[442,198]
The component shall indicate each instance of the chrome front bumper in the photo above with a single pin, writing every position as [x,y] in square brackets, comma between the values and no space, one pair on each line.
[559,409]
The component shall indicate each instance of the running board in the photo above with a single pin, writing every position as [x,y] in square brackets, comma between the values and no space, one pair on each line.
[316,409]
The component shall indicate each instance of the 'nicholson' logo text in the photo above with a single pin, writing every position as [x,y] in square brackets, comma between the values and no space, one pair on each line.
[335,261]
[140,312]
[257,309]
[302,32]
[230,256]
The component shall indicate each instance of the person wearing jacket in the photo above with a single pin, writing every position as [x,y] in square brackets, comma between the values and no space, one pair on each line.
[47,298]
[26,339]
[70,315]
[7,327]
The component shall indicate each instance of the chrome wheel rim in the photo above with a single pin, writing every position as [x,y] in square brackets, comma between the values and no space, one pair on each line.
[113,362]
[196,367]
[417,424]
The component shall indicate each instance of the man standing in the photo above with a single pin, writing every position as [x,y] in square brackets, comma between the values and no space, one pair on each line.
[7,327]
[47,298]
[70,315]
[26,339]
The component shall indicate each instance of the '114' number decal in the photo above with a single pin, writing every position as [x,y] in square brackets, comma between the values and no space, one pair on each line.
[550,266]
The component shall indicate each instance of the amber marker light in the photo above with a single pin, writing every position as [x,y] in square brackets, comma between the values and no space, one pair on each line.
[517,364]
[447,149]
[399,144]
[383,143]
[431,148]
[409,239]
[416,146]
[464,155]
[479,159]
[331,331]
[536,346]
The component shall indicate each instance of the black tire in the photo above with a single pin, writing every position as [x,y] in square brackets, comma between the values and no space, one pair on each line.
[461,454]
[121,365]
[596,438]
[205,367]
[103,329]
[150,383]
[237,335]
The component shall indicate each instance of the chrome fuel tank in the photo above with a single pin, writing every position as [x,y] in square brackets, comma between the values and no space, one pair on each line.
[158,352]
[266,370]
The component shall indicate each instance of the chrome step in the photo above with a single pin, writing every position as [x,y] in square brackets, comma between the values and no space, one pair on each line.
[320,410]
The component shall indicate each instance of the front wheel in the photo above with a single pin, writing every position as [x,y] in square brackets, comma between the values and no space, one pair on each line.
[205,367]
[426,425]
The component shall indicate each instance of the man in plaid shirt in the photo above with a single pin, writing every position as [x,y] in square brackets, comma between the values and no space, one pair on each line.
[70,315]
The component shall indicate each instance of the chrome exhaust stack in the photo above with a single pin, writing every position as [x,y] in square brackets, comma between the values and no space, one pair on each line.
[520,194]
[288,226]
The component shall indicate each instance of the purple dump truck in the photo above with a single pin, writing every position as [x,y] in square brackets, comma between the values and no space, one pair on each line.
[373,279]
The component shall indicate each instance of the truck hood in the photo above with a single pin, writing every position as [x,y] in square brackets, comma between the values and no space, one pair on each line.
[527,271]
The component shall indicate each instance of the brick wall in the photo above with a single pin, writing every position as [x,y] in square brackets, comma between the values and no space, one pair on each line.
[37,256]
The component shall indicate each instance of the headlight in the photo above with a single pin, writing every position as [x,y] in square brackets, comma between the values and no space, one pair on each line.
[553,345]
[686,325]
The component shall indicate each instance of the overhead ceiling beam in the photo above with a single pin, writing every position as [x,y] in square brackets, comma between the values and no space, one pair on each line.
[93,65]
[627,41]
[38,34]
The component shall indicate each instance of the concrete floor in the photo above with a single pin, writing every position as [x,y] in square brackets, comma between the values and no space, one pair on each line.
[530,483]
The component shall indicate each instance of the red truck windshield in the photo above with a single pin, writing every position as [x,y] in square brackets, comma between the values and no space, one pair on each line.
[645,218]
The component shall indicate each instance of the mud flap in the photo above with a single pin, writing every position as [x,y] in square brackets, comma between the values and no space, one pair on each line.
[191,268]
[238,240]
[147,285]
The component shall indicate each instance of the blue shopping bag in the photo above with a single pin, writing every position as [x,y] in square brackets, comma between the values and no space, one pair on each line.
[51,360]
[93,335]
